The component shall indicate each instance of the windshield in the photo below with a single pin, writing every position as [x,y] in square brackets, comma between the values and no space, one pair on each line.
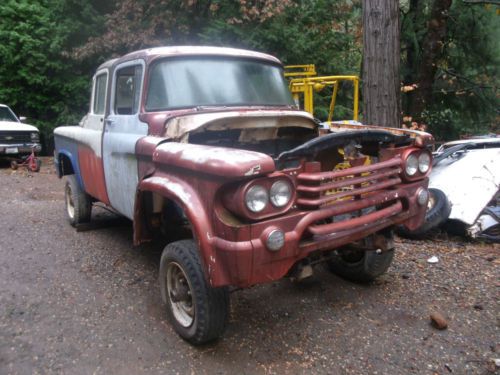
[7,115]
[214,81]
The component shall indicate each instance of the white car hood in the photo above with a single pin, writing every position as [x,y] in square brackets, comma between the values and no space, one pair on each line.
[16,126]
[469,182]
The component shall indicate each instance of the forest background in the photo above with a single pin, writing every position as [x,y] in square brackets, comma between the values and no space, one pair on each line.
[49,50]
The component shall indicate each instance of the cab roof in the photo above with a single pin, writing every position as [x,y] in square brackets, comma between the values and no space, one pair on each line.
[158,52]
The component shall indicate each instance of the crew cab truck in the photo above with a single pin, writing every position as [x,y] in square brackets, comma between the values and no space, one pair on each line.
[207,142]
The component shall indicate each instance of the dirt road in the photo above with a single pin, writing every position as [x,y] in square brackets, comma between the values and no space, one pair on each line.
[88,303]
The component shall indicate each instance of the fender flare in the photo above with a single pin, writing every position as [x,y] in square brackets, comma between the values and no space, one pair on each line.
[74,164]
[187,198]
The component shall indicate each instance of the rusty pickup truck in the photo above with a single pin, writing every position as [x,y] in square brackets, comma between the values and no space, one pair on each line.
[207,143]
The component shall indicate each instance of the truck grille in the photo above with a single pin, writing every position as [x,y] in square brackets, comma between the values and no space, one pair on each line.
[12,137]
[321,189]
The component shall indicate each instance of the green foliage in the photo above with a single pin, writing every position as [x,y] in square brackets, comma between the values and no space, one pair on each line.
[50,49]
[37,79]
[465,97]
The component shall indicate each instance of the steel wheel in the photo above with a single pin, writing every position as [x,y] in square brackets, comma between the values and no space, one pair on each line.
[197,311]
[70,205]
[78,203]
[179,293]
[431,202]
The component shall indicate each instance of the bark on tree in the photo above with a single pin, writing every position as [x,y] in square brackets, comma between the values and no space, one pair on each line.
[381,63]
[432,48]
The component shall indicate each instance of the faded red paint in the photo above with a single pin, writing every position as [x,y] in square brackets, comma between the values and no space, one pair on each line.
[218,161]
[233,250]
[92,173]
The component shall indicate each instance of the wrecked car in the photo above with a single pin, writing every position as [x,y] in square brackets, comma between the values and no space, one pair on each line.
[208,143]
[466,177]
[16,138]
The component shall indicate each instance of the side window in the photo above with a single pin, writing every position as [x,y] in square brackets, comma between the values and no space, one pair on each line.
[127,90]
[100,94]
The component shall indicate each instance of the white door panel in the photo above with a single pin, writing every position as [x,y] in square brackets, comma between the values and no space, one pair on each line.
[122,130]
[120,160]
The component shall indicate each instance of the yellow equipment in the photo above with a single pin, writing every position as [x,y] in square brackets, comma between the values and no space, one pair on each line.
[303,81]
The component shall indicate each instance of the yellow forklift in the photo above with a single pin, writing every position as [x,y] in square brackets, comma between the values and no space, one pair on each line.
[304,82]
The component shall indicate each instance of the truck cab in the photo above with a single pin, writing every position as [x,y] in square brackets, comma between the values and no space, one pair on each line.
[208,143]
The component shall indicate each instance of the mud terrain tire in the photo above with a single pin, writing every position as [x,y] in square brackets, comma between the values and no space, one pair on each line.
[197,311]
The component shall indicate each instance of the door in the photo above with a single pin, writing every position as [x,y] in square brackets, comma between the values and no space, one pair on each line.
[90,140]
[122,130]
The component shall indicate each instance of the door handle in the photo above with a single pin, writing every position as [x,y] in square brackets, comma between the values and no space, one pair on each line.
[110,122]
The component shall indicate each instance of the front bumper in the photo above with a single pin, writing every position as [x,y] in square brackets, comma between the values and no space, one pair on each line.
[19,148]
[249,262]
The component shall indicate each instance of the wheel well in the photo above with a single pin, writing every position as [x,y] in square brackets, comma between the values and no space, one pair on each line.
[161,214]
[65,165]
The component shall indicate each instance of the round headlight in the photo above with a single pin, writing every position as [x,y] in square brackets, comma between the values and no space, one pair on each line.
[422,197]
[424,162]
[411,165]
[275,240]
[280,193]
[256,198]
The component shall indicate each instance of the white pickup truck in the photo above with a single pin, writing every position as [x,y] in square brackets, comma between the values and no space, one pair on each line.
[16,138]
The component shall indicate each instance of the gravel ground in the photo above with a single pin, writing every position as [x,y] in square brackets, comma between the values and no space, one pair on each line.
[88,303]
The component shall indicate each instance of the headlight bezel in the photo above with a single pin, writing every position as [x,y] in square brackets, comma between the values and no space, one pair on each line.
[413,158]
[233,197]
[35,136]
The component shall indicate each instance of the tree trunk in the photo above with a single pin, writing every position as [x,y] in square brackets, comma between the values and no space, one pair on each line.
[432,48]
[381,63]
[412,50]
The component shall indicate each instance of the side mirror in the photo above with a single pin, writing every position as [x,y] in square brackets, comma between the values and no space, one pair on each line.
[22,118]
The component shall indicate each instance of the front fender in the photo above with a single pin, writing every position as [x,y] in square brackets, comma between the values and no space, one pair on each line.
[188,199]
[218,161]
[74,164]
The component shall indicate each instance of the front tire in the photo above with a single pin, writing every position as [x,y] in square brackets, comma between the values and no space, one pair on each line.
[197,311]
[438,211]
[78,203]
[361,266]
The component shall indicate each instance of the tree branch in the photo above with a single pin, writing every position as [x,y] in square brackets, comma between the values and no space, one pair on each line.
[494,2]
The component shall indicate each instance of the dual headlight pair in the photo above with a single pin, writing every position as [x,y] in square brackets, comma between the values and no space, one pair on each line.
[257,197]
[418,162]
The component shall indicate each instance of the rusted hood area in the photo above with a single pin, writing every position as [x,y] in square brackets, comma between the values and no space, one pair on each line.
[219,161]
[419,138]
[341,138]
[179,127]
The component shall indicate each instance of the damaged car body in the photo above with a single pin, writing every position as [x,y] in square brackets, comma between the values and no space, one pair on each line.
[207,142]
[468,173]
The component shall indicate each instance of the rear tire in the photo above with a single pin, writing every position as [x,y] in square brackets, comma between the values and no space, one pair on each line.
[78,203]
[197,311]
[360,265]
